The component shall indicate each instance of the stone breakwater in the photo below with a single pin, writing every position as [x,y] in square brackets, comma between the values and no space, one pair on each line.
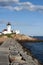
[12,53]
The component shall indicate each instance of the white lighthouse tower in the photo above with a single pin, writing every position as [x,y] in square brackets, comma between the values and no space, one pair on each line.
[9,28]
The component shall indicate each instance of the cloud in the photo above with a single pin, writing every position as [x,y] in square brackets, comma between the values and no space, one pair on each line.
[9,0]
[17,5]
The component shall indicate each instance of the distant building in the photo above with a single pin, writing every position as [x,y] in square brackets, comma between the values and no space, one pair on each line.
[0,33]
[9,30]
[17,32]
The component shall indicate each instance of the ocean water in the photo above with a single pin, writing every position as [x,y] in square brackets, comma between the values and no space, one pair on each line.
[36,49]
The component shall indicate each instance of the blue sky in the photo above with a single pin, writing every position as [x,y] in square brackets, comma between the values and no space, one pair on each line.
[24,15]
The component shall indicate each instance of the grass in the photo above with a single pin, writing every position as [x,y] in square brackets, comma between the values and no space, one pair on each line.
[8,35]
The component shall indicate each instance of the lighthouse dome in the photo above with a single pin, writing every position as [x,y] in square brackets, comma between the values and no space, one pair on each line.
[8,23]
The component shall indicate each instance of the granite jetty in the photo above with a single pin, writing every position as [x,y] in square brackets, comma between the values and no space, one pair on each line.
[12,53]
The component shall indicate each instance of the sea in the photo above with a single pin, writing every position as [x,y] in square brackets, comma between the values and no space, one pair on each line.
[36,48]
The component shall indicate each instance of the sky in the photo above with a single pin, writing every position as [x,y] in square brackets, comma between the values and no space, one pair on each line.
[24,15]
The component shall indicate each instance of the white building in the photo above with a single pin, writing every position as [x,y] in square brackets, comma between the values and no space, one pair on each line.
[17,32]
[0,33]
[8,30]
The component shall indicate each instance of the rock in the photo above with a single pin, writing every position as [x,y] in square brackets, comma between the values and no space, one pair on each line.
[36,61]
[24,38]
[2,39]
[17,56]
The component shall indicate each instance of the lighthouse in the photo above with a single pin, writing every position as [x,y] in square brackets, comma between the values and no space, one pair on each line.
[9,27]
[9,30]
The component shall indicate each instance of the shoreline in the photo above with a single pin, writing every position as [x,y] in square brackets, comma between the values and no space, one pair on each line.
[23,39]
[29,58]
[19,37]
[30,54]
